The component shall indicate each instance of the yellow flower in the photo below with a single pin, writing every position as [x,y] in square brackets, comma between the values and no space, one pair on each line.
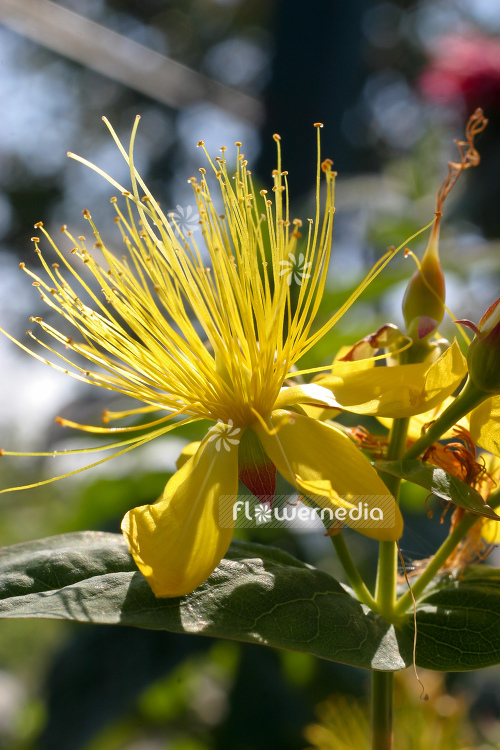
[490,529]
[398,391]
[485,425]
[417,424]
[210,331]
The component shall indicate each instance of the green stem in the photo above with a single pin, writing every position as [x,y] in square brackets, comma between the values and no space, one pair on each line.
[437,562]
[494,499]
[381,710]
[387,571]
[357,584]
[385,596]
[468,399]
[395,449]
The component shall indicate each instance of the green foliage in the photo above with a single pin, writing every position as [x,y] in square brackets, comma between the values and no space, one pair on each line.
[258,594]
[458,622]
[440,483]
[107,499]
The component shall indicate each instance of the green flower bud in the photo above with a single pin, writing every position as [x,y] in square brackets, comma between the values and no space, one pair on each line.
[423,302]
[483,357]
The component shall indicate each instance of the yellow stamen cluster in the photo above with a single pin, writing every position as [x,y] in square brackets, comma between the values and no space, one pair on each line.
[205,330]
[180,331]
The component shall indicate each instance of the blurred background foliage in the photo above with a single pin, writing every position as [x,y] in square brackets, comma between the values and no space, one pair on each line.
[394,83]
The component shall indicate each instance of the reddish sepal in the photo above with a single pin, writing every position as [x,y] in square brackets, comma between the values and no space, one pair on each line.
[255,469]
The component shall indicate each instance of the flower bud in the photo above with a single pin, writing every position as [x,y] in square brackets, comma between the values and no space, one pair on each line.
[483,357]
[423,302]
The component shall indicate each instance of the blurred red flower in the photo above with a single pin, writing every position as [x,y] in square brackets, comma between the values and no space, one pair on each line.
[466,68]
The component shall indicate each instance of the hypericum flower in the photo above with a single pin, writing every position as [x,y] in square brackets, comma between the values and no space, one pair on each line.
[482,390]
[210,333]
[481,472]
[398,391]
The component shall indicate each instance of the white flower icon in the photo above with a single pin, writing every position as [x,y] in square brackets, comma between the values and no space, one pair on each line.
[296,268]
[262,513]
[224,434]
[184,220]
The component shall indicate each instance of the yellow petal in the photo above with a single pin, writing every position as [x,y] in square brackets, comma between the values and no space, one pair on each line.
[186,453]
[490,532]
[317,402]
[400,391]
[310,393]
[418,422]
[485,425]
[345,350]
[180,540]
[492,466]
[320,460]
[318,412]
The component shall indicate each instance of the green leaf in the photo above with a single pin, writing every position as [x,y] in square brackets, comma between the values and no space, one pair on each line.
[257,594]
[458,623]
[440,483]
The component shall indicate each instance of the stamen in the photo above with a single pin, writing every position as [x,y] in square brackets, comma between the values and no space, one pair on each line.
[137,442]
